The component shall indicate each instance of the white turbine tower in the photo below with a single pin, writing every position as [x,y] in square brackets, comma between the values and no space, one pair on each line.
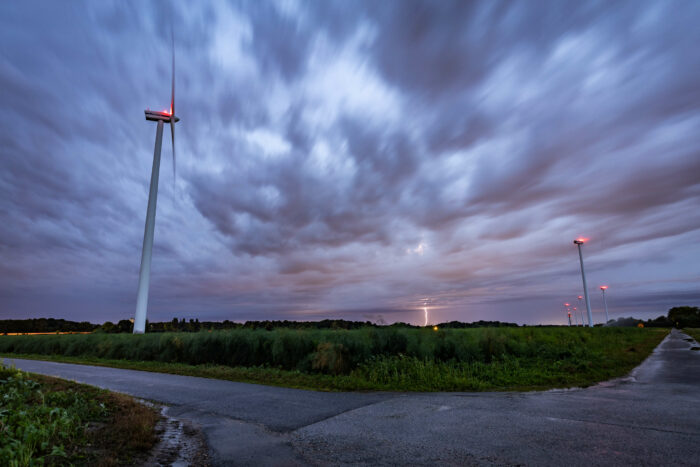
[145,271]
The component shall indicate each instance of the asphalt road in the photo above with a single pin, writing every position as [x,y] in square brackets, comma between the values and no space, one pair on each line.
[652,417]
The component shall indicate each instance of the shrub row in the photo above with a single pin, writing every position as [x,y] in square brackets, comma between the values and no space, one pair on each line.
[329,351]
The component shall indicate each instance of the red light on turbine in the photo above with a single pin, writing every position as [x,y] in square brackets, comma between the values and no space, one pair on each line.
[580,297]
[575,308]
[566,304]
[569,314]
[603,287]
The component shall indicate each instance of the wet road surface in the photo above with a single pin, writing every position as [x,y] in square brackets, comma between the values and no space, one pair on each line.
[651,417]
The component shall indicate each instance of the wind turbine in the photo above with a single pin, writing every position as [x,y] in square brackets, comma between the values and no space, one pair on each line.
[578,242]
[145,271]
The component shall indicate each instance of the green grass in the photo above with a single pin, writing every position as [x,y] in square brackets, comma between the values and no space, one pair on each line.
[366,359]
[47,421]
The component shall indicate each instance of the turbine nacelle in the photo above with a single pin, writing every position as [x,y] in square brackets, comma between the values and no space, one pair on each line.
[154,116]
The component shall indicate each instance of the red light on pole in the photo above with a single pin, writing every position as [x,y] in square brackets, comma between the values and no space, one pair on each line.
[566,304]
[603,287]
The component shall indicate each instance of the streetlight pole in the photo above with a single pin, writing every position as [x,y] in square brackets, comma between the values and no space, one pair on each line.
[603,288]
[578,242]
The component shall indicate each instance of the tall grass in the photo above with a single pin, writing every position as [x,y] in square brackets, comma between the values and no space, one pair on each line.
[344,351]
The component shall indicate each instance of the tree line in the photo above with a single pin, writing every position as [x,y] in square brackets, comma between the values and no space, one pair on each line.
[681,317]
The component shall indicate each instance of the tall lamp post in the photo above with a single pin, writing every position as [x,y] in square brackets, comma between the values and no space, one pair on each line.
[578,242]
[603,288]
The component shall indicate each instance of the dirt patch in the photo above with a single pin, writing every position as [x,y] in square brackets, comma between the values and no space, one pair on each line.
[181,444]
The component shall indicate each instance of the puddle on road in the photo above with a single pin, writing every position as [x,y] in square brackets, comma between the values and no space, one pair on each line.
[181,444]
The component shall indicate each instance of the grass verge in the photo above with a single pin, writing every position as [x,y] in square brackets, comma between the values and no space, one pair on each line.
[49,421]
[693,332]
[552,358]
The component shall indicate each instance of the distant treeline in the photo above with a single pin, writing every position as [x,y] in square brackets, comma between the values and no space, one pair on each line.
[45,325]
[660,322]
[678,316]
[681,317]
[194,325]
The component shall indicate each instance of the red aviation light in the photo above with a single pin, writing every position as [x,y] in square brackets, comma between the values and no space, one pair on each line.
[566,304]
[603,287]
[580,297]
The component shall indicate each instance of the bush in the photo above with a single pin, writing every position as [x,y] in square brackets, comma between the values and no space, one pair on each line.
[685,316]
[328,351]
[36,425]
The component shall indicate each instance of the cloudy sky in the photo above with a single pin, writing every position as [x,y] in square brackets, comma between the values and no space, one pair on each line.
[351,159]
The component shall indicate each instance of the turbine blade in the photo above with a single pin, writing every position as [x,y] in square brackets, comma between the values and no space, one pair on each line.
[172,133]
[172,89]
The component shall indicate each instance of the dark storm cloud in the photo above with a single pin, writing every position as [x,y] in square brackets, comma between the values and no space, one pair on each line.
[350,159]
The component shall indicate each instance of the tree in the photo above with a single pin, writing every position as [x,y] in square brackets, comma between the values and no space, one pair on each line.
[125,325]
[685,316]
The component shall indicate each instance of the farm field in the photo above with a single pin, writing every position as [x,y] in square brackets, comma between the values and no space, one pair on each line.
[393,359]
[50,421]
